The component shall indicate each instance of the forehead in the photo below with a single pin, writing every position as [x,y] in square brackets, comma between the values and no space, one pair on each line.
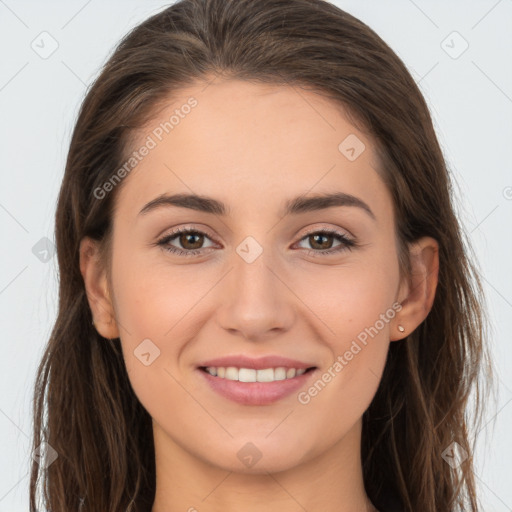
[251,145]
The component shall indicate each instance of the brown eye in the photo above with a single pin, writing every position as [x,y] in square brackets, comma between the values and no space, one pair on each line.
[191,240]
[321,242]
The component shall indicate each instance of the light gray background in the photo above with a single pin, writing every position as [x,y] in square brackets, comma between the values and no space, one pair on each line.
[470,99]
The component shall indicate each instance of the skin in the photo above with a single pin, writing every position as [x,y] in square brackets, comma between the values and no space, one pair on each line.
[253,147]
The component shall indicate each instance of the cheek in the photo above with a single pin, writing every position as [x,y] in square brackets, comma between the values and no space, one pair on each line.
[151,297]
[155,309]
[152,340]
[351,298]
[356,306]
[349,378]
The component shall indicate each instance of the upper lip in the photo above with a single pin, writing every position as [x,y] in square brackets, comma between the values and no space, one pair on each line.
[258,363]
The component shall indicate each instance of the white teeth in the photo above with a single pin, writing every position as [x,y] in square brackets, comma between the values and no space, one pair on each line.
[266,375]
[290,373]
[280,374]
[252,375]
[231,373]
[247,375]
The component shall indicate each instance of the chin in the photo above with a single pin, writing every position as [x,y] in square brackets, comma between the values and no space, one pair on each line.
[260,455]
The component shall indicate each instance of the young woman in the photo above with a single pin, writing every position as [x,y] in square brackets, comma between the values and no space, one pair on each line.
[266,302]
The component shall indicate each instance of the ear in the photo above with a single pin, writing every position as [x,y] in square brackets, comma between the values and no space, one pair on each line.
[97,289]
[418,290]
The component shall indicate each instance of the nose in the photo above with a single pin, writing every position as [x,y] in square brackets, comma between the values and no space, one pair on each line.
[255,300]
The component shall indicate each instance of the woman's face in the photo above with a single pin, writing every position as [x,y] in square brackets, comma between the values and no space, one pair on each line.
[257,279]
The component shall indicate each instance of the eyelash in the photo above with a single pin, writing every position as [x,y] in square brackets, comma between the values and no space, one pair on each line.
[347,243]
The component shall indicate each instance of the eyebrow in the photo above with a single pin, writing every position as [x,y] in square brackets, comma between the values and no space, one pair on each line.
[300,204]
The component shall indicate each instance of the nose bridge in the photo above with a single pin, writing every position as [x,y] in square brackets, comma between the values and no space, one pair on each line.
[253,281]
[252,272]
[255,299]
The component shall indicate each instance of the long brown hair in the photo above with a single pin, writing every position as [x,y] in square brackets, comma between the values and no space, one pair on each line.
[85,408]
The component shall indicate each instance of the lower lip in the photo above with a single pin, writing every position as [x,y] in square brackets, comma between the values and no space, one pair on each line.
[256,393]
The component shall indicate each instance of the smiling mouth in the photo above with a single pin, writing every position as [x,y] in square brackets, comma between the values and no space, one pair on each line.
[252,375]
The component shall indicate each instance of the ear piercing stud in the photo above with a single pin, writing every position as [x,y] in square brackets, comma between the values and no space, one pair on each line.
[401,328]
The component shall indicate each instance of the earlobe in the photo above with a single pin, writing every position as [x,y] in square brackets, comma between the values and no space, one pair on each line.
[96,288]
[421,287]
